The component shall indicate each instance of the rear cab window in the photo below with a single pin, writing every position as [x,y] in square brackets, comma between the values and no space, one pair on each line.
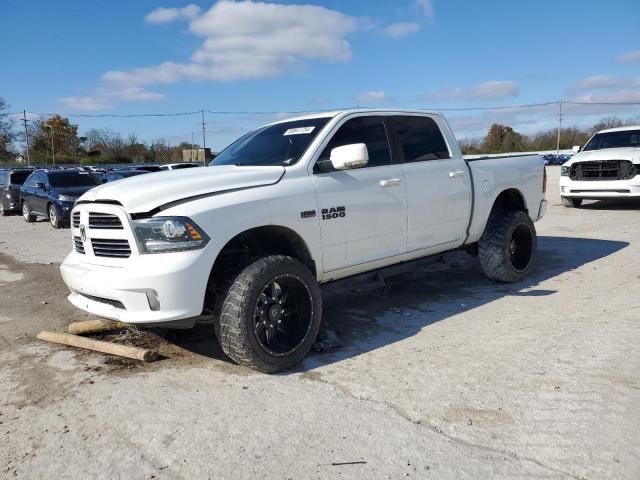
[18,178]
[419,139]
[369,130]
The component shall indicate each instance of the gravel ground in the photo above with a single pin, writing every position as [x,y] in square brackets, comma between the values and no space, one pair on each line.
[448,376]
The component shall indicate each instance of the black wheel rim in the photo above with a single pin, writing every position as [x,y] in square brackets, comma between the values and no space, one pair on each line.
[521,246]
[283,315]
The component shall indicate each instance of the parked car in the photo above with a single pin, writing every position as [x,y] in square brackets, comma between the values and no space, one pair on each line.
[178,166]
[120,174]
[10,182]
[245,242]
[607,167]
[148,168]
[52,194]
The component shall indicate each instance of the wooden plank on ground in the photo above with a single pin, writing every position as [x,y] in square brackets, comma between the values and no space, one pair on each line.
[99,346]
[95,326]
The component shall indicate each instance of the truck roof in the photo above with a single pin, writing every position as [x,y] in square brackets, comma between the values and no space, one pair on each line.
[621,129]
[334,113]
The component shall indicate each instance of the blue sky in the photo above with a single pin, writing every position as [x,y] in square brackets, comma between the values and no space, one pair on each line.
[124,57]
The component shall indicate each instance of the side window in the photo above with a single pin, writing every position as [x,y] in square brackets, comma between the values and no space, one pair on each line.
[419,139]
[367,130]
[3,179]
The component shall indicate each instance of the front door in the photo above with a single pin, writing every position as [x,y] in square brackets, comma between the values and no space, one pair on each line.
[363,211]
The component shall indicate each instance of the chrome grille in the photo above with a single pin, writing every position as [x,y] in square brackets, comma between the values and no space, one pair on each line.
[78,245]
[106,247]
[75,219]
[104,221]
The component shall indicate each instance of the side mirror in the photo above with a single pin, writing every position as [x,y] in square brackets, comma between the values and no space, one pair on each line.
[40,186]
[576,149]
[355,155]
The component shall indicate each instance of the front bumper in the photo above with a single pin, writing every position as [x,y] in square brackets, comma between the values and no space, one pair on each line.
[64,210]
[599,189]
[146,289]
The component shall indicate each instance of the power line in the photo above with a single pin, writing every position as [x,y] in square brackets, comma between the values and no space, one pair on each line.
[281,112]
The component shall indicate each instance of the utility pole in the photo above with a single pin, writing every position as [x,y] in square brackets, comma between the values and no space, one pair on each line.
[559,128]
[204,139]
[26,135]
[53,149]
[191,149]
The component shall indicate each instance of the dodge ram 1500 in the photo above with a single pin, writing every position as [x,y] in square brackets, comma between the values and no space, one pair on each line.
[246,242]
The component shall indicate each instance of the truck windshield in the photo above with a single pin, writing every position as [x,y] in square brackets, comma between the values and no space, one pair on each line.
[72,179]
[279,144]
[625,138]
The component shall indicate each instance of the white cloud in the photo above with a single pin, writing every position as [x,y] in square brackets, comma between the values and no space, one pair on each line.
[426,7]
[401,29]
[605,82]
[372,96]
[245,40]
[494,89]
[241,40]
[629,57]
[104,97]
[166,15]
[84,104]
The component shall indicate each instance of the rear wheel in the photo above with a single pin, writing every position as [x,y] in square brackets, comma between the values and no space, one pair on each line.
[508,246]
[53,216]
[26,213]
[571,202]
[270,315]
[3,212]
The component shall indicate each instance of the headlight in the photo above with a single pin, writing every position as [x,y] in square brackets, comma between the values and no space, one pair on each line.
[169,234]
[67,198]
[565,171]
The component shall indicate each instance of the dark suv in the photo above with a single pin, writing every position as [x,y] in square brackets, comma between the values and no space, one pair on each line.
[10,181]
[52,194]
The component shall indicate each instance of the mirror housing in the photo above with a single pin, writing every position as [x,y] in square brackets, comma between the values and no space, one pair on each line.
[576,148]
[346,157]
[40,186]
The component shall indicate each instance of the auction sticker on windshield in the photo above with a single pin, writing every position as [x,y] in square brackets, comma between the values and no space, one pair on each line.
[299,131]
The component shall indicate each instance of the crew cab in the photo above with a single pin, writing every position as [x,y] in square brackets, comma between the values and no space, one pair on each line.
[246,242]
[607,167]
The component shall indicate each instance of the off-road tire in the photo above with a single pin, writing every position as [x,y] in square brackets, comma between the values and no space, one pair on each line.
[571,202]
[26,214]
[235,324]
[54,220]
[494,246]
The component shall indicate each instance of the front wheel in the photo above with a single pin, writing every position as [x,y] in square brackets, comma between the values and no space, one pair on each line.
[53,217]
[26,214]
[270,315]
[508,246]
[571,202]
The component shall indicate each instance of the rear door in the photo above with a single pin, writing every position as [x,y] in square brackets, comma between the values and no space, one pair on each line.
[437,182]
[363,214]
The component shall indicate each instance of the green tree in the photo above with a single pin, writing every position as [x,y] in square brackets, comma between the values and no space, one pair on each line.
[55,134]
[8,134]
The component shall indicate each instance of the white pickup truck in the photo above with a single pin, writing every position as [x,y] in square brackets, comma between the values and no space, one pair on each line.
[607,167]
[246,242]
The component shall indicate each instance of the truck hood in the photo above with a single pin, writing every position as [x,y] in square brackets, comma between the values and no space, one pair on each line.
[626,153]
[144,193]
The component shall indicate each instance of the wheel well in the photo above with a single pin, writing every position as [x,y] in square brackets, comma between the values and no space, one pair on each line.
[257,242]
[511,199]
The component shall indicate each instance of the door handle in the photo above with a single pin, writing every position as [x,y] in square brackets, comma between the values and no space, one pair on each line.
[392,182]
[456,174]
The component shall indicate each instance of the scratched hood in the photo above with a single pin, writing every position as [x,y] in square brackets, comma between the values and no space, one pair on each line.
[143,193]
